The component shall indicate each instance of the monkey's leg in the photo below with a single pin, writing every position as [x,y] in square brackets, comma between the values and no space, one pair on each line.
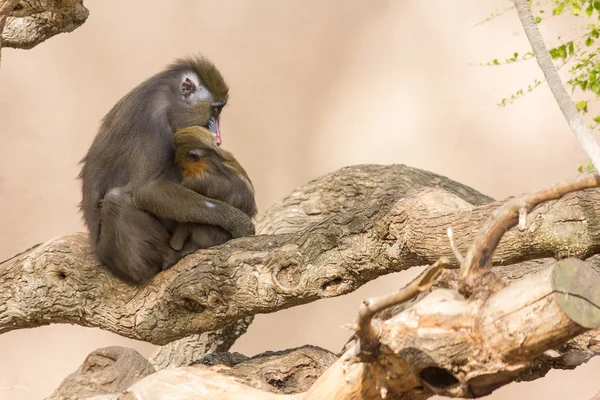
[132,243]
[180,236]
[173,201]
[205,236]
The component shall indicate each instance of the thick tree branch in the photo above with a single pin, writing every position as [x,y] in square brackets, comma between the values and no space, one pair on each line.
[6,7]
[288,371]
[61,282]
[114,369]
[349,187]
[30,22]
[184,351]
[442,344]
[104,371]
[557,87]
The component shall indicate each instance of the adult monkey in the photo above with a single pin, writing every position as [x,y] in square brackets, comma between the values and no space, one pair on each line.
[132,195]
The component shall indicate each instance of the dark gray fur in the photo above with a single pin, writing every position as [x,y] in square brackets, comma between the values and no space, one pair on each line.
[133,151]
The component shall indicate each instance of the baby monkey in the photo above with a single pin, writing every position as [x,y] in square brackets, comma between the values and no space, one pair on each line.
[213,172]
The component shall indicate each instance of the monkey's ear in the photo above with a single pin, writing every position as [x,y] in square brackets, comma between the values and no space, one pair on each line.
[187,87]
[196,154]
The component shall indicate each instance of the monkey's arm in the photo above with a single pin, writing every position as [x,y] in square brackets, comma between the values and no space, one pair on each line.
[173,201]
[197,115]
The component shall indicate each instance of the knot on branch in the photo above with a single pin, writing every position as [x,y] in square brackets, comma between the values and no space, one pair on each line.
[287,269]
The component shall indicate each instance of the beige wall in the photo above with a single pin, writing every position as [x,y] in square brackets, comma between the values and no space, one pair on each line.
[316,85]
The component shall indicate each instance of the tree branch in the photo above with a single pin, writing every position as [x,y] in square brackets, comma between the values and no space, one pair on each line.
[61,281]
[184,351]
[348,187]
[31,22]
[367,331]
[461,349]
[476,273]
[6,7]
[557,87]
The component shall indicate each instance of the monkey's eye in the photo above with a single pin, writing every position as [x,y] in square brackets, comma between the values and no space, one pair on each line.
[195,154]
[217,110]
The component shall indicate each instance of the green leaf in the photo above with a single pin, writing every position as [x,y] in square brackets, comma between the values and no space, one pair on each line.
[581,106]
[558,10]
[589,41]
[571,47]
[589,10]
[538,20]
[495,61]
[576,9]
[597,4]
[580,169]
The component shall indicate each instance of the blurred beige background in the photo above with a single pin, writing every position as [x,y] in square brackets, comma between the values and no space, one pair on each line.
[316,85]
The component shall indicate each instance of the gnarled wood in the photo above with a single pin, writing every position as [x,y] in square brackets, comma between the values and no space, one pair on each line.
[348,187]
[184,351]
[61,281]
[443,344]
[104,371]
[289,371]
[30,22]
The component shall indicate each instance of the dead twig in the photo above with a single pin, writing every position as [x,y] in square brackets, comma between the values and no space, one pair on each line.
[476,274]
[366,331]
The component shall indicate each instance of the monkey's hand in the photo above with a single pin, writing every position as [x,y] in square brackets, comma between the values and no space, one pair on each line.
[171,200]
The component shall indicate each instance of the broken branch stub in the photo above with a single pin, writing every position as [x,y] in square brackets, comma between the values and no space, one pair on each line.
[368,330]
[477,277]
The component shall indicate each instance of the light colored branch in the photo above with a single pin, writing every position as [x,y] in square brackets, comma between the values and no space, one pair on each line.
[184,351]
[366,332]
[114,369]
[61,282]
[442,344]
[6,7]
[476,274]
[104,371]
[557,87]
[31,22]
[351,186]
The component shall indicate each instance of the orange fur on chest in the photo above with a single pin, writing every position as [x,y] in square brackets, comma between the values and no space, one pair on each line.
[195,169]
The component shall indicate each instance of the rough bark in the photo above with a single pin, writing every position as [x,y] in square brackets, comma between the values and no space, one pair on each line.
[61,281]
[114,369]
[191,348]
[443,344]
[6,7]
[104,371]
[30,22]
[289,371]
[351,186]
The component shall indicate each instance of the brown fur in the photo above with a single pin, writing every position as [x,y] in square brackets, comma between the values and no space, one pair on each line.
[212,172]
[133,159]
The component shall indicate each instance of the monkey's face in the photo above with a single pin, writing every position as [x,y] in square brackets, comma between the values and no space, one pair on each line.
[205,105]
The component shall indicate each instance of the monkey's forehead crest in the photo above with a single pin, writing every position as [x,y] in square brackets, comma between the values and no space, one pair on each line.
[209,75]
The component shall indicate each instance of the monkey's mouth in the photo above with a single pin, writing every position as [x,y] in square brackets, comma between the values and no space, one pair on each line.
[215,127]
